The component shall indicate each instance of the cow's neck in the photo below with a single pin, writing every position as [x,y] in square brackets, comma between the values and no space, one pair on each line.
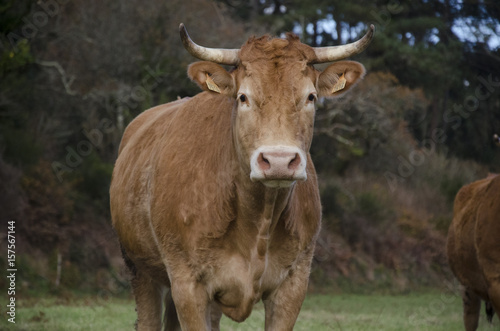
[260,208]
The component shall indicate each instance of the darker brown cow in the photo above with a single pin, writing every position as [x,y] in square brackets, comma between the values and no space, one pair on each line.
[215,198]
[474,247]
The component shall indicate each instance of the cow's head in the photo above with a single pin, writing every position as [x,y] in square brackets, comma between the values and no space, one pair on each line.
[275,87]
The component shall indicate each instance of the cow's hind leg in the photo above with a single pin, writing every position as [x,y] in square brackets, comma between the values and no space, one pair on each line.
[147,295]
[215,316]
[148,299]
[490,264]
[171,321]
[494,295]
[472,307]
[489,311]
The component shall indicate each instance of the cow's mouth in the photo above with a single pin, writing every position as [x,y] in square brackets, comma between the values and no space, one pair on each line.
[278,183]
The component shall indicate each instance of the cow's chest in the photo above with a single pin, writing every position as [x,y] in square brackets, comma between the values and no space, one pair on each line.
[240,280]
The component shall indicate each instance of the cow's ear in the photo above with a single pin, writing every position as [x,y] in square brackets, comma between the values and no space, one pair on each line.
[211,77]
[339,77]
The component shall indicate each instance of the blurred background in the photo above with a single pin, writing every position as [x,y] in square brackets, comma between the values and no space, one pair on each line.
[391,155]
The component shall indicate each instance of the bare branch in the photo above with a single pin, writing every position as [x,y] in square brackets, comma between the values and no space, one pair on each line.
[66,81]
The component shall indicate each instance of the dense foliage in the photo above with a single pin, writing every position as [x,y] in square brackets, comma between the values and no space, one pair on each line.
[391,155]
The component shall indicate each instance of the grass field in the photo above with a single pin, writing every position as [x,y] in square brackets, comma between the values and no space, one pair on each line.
[434,311]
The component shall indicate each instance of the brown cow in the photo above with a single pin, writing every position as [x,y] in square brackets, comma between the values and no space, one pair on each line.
[215,198]
[473,247]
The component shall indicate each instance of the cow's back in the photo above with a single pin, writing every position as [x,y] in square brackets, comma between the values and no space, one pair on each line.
[148,119]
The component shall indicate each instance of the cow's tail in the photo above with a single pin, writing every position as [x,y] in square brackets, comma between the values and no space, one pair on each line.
[489,311]
[170,319]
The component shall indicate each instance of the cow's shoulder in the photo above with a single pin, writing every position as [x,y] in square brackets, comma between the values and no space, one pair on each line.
[195,165]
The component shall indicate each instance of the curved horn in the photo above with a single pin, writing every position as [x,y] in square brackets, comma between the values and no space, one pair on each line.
[333,53]
[217,55]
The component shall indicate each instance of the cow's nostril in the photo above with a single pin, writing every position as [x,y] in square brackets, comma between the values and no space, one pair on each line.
[264,163]
[295,162]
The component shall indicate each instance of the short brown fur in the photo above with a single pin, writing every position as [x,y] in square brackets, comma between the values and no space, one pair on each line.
[474,247]
[188,216]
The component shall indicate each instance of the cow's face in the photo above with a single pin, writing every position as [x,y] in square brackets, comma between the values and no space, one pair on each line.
[274,91]
[274,119]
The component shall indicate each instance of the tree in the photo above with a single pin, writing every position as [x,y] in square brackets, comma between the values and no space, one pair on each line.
[442,47]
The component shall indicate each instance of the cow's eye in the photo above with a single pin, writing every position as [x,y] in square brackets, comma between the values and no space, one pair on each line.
[243,98]
[311,97]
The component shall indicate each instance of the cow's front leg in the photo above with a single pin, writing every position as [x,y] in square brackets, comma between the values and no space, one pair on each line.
[283,305]
[191,303]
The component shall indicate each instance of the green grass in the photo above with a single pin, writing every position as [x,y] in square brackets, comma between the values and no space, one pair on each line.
[75,314]
[434,311]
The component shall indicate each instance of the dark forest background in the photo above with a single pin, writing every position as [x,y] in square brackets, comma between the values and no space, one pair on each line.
[391,155]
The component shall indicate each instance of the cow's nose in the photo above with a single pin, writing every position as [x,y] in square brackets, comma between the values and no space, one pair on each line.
[278,163]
